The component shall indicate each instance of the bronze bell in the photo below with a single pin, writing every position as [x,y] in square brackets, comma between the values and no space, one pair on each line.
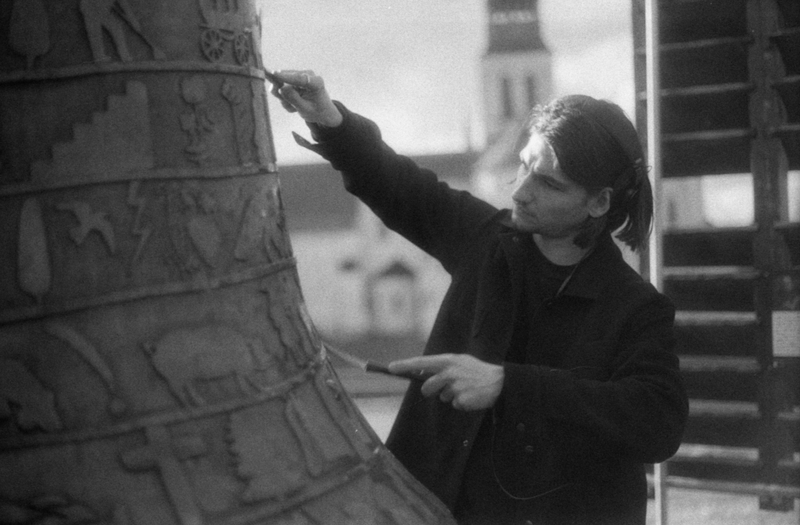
[157,364]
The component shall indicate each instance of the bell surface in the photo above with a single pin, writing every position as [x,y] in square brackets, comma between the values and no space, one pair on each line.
[157,362]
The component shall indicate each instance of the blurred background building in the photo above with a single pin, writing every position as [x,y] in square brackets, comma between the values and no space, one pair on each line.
[450,83]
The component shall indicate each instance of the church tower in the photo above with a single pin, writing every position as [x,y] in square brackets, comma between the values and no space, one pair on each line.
[517,75]
[516,67]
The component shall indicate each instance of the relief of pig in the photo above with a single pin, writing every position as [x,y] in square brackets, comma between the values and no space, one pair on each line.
[185,355]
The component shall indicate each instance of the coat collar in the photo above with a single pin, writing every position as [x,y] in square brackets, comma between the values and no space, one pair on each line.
[591,277]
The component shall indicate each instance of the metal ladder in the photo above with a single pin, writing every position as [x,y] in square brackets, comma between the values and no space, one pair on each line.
[718,92]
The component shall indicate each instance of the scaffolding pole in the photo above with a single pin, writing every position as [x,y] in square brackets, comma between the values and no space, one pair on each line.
[654,161]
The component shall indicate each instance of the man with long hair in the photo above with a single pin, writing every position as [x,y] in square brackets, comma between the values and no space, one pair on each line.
[552,378]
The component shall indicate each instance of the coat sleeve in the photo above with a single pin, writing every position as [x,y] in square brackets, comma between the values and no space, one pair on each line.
[408,199]
[638,411]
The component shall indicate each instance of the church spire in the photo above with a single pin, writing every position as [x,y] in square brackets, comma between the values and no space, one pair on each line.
[516,66]
[514,26]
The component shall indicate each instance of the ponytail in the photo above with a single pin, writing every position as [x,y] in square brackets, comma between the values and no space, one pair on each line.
[635,210]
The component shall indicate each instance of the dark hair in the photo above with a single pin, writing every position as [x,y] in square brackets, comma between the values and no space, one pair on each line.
[597,147]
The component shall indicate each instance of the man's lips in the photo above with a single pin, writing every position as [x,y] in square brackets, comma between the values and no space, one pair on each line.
[522,213]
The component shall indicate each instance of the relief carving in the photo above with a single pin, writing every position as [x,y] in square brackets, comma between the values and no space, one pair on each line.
[81,346]
[279,236]
[360,437]
[200,124]
[262,137]
[89,221]
[263,228]
[193,228]
[111,144]
[139,229]
[189,357]
[114,18]
[266,454]
[29,30]
[286,321]
[239,99]
[321,441]
[165,454]
[34,273]
[55,510]
[24,400]
[225,22]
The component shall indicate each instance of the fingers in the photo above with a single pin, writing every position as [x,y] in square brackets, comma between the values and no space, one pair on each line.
[446,394]
[461,380]
[297,87]
[437,383]
[303,92]
[423,365]
[299,79]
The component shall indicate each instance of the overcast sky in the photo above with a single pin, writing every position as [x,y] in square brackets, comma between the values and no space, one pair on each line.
[413,66]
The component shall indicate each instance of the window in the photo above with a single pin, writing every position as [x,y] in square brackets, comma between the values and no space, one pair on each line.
[530,88]
[506,92]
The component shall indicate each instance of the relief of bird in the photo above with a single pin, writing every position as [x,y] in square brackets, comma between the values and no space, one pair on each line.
[89,220]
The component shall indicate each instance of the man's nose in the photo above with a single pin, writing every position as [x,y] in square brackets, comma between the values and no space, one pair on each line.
[522,192]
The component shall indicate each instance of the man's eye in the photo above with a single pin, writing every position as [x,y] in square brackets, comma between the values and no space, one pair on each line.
[552,185]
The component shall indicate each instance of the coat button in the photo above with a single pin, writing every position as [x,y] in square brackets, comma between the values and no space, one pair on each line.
[529,449]
[528,522]
[521,427]
[466,443]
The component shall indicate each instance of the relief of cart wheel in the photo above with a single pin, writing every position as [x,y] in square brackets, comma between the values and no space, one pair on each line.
[212,44]
[242,48]
[226,25]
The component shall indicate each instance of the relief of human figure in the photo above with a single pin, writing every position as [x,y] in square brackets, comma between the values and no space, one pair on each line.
[29,31]
[112,16]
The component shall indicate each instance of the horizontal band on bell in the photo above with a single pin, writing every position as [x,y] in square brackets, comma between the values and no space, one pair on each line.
[165,418]
[211,172]
[107,68]
[173,288]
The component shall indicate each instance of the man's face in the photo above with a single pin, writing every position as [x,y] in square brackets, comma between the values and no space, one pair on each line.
[545,201]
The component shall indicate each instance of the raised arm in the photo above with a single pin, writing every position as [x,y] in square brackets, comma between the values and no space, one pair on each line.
[408,199]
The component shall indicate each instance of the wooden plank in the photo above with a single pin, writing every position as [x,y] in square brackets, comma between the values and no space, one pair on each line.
[689,64]
[715,320]
[729,487]
[710,135]
[705,43]
[718,152]
[712,89]
[790,137]
[704,108]
[694,20]
[721,378]
[705,273]
[744,456]
[790,12]
[729,294]
[740,411]
[702,333]
[724,246]
[788,43]
[715,364]
[788,89]
[711,246]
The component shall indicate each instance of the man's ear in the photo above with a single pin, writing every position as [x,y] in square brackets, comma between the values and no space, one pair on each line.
[600,202]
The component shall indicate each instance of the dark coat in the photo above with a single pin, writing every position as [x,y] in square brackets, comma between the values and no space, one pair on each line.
[599,393]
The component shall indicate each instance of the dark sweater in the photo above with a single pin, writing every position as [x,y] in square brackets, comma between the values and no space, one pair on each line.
[592,390]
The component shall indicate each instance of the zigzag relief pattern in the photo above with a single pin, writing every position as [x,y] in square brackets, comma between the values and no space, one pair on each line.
[112,143]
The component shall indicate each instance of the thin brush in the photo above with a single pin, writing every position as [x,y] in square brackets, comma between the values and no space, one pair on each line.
[371,366]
